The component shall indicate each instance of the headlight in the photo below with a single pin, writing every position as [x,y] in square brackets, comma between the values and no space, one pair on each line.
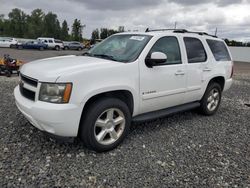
[55,93]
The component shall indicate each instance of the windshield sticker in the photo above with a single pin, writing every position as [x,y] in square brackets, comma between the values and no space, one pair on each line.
[139,38]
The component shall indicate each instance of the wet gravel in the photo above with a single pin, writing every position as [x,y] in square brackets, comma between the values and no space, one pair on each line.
[183,150]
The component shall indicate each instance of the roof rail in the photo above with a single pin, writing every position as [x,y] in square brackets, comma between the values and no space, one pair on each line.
[152,30]
[180,31]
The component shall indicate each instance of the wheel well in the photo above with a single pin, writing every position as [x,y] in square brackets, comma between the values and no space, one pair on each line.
[123,95]
[220,80]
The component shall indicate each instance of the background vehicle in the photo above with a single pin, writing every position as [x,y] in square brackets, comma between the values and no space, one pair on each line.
[9,66]
[73,46]
[32,45]
[8,42]
[52,43]
[128,76]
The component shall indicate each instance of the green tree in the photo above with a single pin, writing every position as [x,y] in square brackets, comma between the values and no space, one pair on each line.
[77,30]
[51,26]
[121,29]
[1,24]
[35,23]
[64,31]
[17,25]
[95,35]
[104,33]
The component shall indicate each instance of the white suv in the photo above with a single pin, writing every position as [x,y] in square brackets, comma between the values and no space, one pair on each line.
[128,76]
[52,43]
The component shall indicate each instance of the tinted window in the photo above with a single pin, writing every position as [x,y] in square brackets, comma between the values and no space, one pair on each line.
[50,41]
[170,47]
[58,41]
[219,50]
[195,50]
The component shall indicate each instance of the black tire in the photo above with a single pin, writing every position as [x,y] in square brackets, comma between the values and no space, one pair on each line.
[12,46]
[41,48]
[8,73]
[57,48]
[88,130]
[79,49]
[204,101]
[66,48]
[20,47]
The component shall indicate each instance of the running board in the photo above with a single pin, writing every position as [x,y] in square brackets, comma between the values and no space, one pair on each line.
[165,112]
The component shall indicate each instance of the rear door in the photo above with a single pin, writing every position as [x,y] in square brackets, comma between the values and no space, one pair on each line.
[197,66]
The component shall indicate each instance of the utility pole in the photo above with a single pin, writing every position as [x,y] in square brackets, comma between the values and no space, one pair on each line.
[216,30]
[175,25]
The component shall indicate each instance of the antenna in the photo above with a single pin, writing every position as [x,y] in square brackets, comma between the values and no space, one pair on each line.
[175,25]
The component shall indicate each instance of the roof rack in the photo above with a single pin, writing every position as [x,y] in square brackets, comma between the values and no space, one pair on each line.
[181,31]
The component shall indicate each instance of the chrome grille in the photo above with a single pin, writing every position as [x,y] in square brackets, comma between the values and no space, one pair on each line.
[28,87]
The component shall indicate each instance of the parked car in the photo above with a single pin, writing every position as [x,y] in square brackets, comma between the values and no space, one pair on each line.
[128,77]
[32,45]
[52,43]
[73,46]
[8,42]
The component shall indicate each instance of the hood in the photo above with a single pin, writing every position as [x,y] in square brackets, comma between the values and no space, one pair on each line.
[49,70]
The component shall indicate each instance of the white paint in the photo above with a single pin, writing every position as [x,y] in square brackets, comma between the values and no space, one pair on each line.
[240,53]
[152,89]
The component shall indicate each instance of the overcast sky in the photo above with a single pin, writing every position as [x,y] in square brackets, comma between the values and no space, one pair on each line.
[232,17]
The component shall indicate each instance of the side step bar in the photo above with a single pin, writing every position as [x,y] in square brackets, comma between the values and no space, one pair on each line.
[165,112]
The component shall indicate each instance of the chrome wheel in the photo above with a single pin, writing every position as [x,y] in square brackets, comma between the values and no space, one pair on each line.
[109,126]
[213,99]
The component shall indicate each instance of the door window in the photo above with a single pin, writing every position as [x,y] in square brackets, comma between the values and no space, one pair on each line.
[195,50]
[169,46]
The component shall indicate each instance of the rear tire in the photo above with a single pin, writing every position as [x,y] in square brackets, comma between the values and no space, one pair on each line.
[57,48]
[79,49]
[211,99]
[20,47]
[41,48]
[105,124]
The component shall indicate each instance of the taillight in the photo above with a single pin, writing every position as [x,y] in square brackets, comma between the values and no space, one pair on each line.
[232,71]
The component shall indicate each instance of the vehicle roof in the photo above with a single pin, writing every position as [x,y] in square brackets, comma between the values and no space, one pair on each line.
[45,38]
[170,32]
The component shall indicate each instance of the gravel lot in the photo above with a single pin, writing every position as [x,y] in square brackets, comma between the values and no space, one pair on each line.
[183,150]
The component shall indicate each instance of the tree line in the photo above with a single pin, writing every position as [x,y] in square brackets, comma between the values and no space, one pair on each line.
[38,24]
[237,43]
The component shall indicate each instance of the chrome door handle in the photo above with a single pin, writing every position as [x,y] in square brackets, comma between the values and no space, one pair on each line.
[179,72]
[206,69]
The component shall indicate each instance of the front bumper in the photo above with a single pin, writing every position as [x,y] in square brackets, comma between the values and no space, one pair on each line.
[57,119]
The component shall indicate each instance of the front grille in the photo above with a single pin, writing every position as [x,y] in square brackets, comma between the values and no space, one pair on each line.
[29,80]
[27,93]
[28,87]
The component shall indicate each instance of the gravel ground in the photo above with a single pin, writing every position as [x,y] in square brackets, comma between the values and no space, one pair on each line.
[183,150]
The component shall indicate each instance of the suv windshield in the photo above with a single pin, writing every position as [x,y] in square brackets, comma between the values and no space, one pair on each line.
[123,48]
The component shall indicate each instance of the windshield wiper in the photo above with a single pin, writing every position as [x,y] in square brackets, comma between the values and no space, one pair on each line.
[105,56]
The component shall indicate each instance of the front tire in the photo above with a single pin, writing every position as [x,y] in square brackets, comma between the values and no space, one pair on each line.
[211,99]
[105,124]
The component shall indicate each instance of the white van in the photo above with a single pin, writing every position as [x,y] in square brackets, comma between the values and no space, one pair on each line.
[52,43]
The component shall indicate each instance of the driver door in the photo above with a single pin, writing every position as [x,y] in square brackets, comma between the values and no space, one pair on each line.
[164,85]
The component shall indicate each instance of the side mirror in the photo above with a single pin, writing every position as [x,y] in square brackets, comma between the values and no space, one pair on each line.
[155,59]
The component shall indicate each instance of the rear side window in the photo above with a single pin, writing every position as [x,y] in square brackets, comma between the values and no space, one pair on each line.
[195,50]
[58,41]
[219,50]
[170,47]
